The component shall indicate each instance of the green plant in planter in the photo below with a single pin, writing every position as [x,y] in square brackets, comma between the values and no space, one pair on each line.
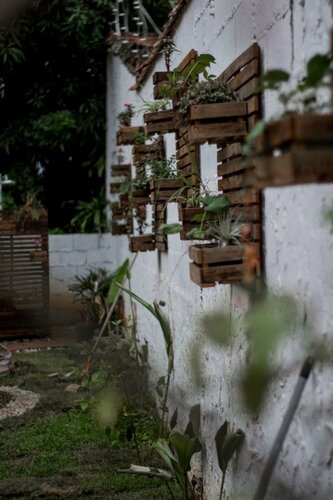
[226,230]
[155,106]
[139,138]
[125,117]
[206,92]
[162,169]
[182,79]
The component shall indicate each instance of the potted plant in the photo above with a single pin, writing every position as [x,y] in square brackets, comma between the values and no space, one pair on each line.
[164,180]
[125,116]
[157,117]
[213,111]
[142,242]
[295,147]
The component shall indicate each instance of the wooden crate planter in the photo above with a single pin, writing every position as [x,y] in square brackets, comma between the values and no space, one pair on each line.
[115,187]
[214,264]
[119,229]
[121,170]
[160,217]
[139,197]
[142,243]
[160,79]
[186,216]
[296,149]
[160,122]
[217,123]
[161,190]
[126,135]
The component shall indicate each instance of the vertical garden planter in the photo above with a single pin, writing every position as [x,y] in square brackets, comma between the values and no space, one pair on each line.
[296,149]
[160,122]
[162,190]
[217,123]
[139,197]
[121,170]
[214,264]
[142,243]
[127,135]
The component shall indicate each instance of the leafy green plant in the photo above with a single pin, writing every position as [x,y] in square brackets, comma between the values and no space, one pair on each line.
[226,230]
[206,92]
[91,291]
[182,79]
[226,445]
[156,311]
[162,169]
[91,215]
[139,138]
[125,117]
[154,106]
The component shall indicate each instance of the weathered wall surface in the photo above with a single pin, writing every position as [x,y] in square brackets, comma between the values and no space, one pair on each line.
[298,257]
[71,255]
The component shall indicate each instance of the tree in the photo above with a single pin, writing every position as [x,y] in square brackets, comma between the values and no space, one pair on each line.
[52,101]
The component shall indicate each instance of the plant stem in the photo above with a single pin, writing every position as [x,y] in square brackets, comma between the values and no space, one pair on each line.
[137,447]
[222,486]
[164,407]
[170,490]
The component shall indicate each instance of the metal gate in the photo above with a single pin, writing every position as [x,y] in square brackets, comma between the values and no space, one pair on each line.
[24,276]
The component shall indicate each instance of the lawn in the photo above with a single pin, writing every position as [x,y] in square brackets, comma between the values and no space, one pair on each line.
[60,449]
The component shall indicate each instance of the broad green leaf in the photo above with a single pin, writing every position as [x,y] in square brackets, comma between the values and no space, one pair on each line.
[273,78]
[217,204]
[184,447]
[171,228]
[163,448]
[139,299]
[173,419]
[217,327]
[119,278]
[193,427]
[198,217]
[219,442]
[317,67]
[198,234]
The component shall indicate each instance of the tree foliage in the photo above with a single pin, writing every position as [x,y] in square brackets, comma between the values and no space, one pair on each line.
[52,102]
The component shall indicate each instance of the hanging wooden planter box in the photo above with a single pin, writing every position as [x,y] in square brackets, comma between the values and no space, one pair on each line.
[121,170]
[160,79]
[126,135]
[296,149]
[217,123]
[142,243]
[163,189]
[123,200]
[160,122]
[214,264]
[119,229]
[139,197]
[186,215]
[115,187]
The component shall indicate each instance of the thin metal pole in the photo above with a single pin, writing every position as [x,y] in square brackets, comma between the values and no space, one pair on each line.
[277,445]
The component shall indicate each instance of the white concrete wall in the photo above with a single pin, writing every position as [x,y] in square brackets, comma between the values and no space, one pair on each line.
[71,255]
[298,256]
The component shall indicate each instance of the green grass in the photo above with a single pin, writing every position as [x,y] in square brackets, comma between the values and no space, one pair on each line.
[56,450]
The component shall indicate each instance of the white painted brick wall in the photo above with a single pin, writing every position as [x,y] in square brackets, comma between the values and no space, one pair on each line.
[298,256]
[71,255]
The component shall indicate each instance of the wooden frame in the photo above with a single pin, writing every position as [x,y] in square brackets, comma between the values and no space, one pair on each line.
[160,122]
[121,170]
[161,190]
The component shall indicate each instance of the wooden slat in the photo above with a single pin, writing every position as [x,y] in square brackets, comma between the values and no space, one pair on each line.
[230,151]
[218,110]
[250,71]
[215,132]
[244,196]
[253,52]
[230,167]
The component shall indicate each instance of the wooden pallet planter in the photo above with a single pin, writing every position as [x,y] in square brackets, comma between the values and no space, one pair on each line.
[186,216]
[115,187]
[160,122]
[139,197]
[142,243]
[214,264]
[217,123]
[126,135]
[119,229]
[160,217]
[162,190]
[121,170]
[160,80]
[296,149]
